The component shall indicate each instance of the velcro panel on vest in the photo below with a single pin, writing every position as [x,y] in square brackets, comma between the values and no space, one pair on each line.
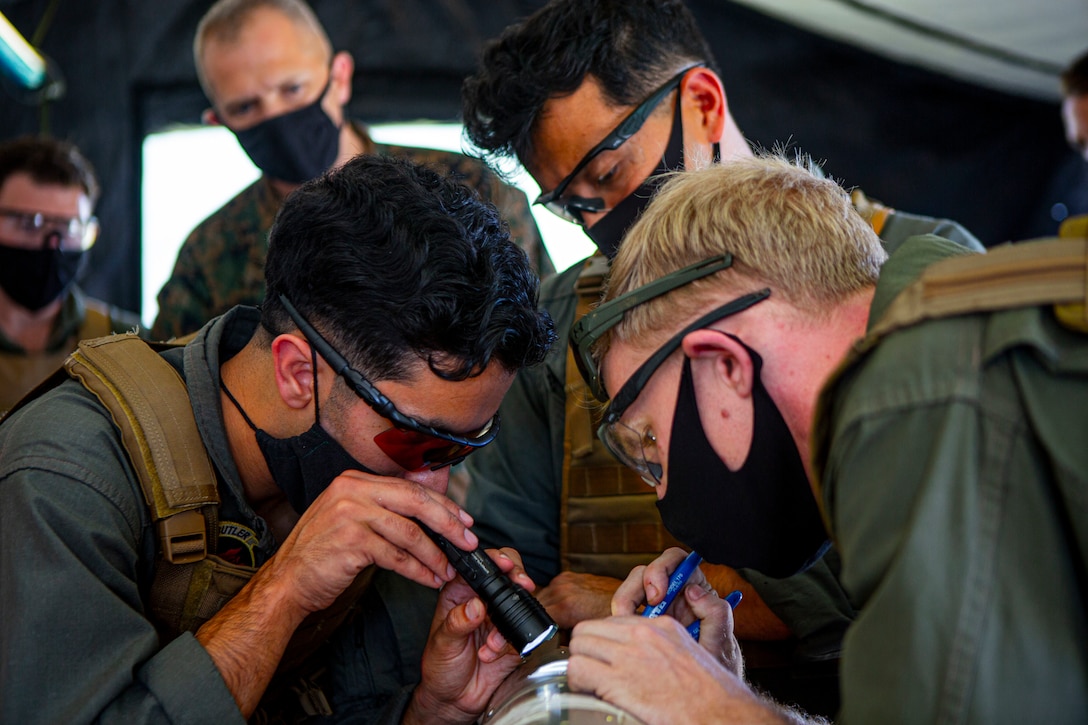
[149,404]
[613,524]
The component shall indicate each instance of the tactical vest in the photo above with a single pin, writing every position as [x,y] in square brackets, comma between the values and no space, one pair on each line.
[149,403]
[22,372]
[1040,272]
[608,517]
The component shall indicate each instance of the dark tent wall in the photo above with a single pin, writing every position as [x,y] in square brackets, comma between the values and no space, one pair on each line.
[914,139]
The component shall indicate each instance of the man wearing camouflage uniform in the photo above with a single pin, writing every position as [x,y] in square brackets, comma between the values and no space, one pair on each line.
[268,70]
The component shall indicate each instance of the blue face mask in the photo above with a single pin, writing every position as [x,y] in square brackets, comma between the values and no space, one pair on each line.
[294,147]
[762,516]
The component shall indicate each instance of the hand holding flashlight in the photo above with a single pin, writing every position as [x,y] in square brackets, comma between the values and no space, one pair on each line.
[516,613]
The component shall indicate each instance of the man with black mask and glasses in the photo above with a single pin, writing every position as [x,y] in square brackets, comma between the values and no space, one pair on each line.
[325,422]
[770,369]
[271,76]
[47,226]
[597,99]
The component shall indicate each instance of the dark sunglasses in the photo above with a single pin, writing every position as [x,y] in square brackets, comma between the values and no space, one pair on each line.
[410,444]
[571,207]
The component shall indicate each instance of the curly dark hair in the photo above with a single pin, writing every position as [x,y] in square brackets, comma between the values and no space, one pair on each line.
[394,263]
[630,46]
[48,161]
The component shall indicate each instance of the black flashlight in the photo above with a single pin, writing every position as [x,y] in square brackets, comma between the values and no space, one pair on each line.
[516,613]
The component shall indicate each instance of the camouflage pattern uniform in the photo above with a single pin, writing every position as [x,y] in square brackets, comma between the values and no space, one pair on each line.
[221,263]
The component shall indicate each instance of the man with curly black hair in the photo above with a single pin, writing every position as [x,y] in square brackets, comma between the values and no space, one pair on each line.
[397,313]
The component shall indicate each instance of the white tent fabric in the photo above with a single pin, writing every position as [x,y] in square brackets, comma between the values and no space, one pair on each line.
[1016,46]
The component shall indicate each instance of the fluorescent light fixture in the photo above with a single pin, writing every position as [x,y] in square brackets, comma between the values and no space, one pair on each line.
[24,64]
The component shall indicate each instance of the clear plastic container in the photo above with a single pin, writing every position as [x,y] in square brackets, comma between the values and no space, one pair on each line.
[536,693]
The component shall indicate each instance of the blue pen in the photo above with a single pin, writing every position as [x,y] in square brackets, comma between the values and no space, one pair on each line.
[732,600]
[676,582]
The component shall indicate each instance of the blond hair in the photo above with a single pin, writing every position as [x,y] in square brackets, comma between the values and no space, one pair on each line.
[787,228]
[225,20]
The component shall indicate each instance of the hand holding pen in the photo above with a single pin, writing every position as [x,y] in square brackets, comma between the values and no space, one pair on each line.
[677,581]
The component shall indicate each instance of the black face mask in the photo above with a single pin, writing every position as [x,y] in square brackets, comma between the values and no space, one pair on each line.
[608,232]
[303,465]
[295,147]
[35,277]
[762,516]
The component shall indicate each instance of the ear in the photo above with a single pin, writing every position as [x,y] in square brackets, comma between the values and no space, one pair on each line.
[732,364]
[342,72]
[702,90]
[210,118]
[294,370]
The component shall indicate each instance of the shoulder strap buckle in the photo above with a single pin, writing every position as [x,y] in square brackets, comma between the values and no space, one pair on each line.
[183,537]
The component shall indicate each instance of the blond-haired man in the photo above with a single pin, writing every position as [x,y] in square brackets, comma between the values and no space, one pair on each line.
[611,95]
[947,453]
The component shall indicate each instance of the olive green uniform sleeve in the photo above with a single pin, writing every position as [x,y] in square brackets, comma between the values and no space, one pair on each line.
[953,476]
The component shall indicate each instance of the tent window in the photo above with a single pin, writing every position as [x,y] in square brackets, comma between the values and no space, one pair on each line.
[178,191]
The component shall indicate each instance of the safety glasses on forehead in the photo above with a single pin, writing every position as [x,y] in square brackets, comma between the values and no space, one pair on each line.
[634,385]
[571,207]
[603,318]
[410,444]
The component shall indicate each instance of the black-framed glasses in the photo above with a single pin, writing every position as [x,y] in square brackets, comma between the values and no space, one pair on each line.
[410,444]
[593,325]
[626,443]
[634,385]
[571,207]
[34,228]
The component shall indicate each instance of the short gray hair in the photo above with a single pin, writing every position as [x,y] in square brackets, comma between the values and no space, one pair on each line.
[226,19]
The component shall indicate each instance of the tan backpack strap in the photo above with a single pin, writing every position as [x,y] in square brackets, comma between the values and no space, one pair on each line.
[1041,272]
[1074,315]
[149,404]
